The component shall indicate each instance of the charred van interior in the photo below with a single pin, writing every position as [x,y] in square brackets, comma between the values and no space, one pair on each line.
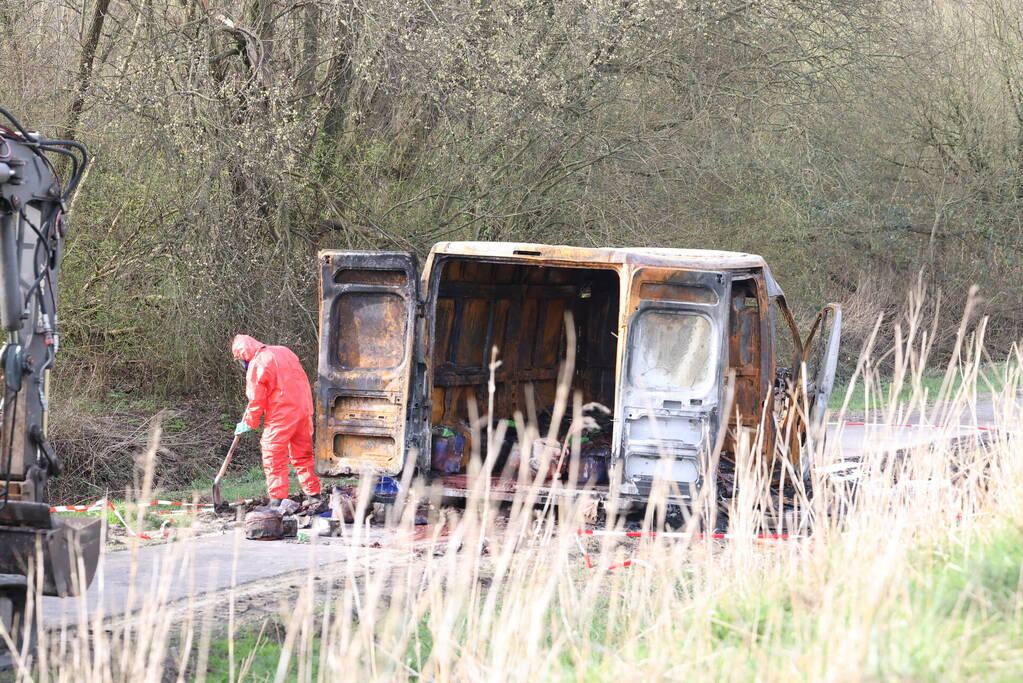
[520,309]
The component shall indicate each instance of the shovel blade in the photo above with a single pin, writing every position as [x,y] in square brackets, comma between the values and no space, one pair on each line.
[218,501]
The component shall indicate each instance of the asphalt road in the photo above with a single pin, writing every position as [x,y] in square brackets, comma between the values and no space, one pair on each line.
[158,575]
[860,435]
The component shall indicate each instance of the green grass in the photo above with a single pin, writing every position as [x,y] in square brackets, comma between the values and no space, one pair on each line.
[974,577]
[250,483]
[991,379]
[240,485]
[963,592]
[262,648]
[956,596]
[967,594]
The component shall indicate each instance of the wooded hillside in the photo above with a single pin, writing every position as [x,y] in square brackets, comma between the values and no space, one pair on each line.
[851,142]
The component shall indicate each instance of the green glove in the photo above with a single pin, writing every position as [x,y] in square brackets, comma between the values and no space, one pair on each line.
[241,428]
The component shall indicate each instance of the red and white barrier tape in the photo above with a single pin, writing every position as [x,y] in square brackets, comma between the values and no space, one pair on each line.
[684,534]
[102,504]
[902,426]
[759,538]
[128,526]
[589,562]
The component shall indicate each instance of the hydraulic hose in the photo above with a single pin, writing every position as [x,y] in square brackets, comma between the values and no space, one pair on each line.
[11,302]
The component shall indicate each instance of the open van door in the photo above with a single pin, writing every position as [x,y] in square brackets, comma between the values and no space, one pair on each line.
[801,423]
[367,329]
[820,358]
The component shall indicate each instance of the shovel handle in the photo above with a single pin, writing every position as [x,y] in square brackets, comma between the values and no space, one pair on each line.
[227,460]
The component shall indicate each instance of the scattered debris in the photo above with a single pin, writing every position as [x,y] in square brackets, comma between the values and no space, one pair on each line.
[593,469]
[589,509]
[343,503]
[386,490]
[324,526]
[450,453]
[423,514]
[264,525]
[289,526]
[545,459]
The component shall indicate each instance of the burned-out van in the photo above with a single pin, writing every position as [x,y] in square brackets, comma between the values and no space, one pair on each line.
[688,350]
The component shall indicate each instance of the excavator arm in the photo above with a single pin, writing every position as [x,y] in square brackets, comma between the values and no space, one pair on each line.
[34,196]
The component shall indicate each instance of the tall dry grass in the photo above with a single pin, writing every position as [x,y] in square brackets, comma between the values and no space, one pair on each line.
[911,572]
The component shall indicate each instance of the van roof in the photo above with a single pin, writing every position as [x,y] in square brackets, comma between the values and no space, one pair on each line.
[679,258]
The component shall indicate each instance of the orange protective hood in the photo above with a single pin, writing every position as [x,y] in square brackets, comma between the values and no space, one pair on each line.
[245,347]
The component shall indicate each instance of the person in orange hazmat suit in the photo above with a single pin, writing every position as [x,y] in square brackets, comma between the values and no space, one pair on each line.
[278,391]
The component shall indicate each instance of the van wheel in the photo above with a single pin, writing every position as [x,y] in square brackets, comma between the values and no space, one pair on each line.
[678,518]
[675,517]
[13,614]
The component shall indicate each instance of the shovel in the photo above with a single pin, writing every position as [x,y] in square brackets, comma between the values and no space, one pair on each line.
[218,501]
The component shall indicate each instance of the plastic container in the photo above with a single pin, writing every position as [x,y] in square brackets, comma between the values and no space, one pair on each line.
[592,470]
[386,490]
[593,465]
[448,450]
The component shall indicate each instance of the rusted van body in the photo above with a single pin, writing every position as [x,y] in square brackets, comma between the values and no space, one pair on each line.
[672,341]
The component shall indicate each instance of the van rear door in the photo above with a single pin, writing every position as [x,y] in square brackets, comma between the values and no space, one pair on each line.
[671,379]
[367,328]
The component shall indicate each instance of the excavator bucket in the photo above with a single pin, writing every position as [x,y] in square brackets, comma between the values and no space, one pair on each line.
[65,546]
